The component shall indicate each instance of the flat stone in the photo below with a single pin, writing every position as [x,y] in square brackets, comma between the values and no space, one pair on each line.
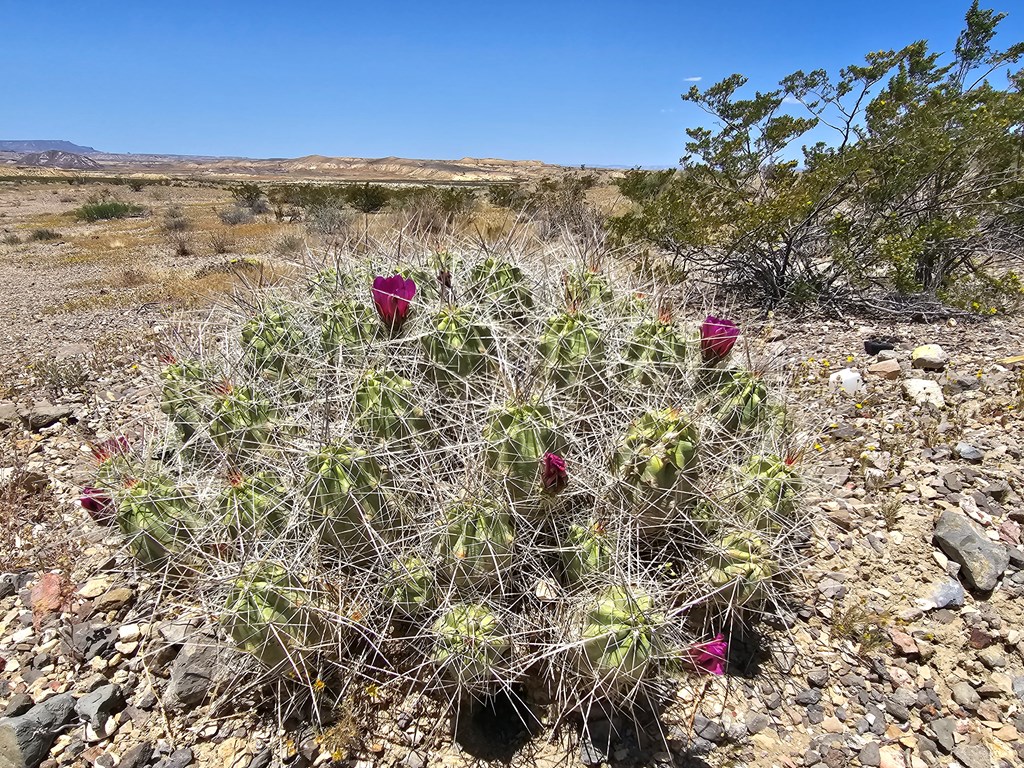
[42,415]
[929,357]
[194,673]
[965,695]
[968,452]
[98,705]
[887,369]
[179,758]
[924,392]
[869,754]
[25,740]
[114,599]
[138,756]
[904,643]
[963,541]
[973,755]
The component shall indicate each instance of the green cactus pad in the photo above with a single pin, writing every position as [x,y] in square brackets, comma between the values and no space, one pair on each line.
[185,396]
[242,421]
[655,350]
[274,343]
[347,326]
[516,438]
[742,402]
[458,347]
[587,553]
[253,506]
[161,523]
[471,644]
[410,586]
[572,349]
[770,490]
[476,546]
[621,642]
[346,491]
[270,614]
[740,568]
[385,409]
[506,288]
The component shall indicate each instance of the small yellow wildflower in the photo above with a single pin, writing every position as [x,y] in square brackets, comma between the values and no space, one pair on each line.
[319,685]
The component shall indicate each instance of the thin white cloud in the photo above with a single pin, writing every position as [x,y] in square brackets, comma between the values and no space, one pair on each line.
[692,79]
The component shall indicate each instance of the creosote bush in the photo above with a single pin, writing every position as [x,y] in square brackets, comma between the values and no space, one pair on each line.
[108,209]
[464,470]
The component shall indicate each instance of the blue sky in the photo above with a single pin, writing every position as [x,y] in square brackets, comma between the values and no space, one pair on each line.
[569,82]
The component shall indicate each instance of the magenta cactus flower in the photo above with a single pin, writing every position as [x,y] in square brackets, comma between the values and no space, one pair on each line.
[710,657]
[112,446]
[717,338]
[553,475]
[391,296]
[98,504]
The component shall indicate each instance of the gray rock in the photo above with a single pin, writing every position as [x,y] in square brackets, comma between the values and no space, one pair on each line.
[138,756]
[179,758]
[968,452]
[756,721]
[963,541]
[949,594]
[25,740]
[808,696]
[818,677]
[973,755]
[943,730]
[42,415]
[262,758]
[9,416]
[708,729]
[965,695]
[1018,687]
[992,657]
[18,704]
[100,704]
[870,755]
[414,760]
[195,672]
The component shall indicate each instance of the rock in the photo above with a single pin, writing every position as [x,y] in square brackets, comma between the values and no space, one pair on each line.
[968,452]
[114,599]
[262,758]
[992,658]
[924,392]
[808,696]
[818,677]
[25,740]
[708,729]
[973,755]
[1018,687]
[194,672]
[943,730]
[963,541]
[875,345]
[179,758]
[929,357]
[9,416]
[849,381]
[965,695]
[887,369]
[48,595]
[414,760]
[18,704]
[948,594]
[869,754]
[904,643]
[138,756]
[44,414]
[98,705]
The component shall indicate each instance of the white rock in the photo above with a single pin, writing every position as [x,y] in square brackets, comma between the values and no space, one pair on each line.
[849,381]
[924,392]
[929,357]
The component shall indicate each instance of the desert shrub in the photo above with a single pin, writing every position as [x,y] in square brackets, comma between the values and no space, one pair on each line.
[180,242]
[220,243]
[496,477]
[329,221]
[136,185]
[367,198]
[43,235]
[11,239]
[108,209]
[235,215]
[250,196]
[507,196]
[175,220]
[914,193]
[289,245]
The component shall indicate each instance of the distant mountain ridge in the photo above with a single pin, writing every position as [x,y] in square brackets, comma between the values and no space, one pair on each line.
[55,158]
[44,145]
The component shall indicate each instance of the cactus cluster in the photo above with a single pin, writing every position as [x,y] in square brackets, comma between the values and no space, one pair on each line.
[462,472]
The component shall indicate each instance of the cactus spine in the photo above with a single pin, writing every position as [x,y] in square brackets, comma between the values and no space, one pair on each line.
[587,554]
[739,568]
[274,343]
[242,421]
[471,646]
[573,351]
[185,398]
[458,348]
[621,642]
[161,522]
[742,401]
[516,438]
[655,350]
[385,408]
[476,547]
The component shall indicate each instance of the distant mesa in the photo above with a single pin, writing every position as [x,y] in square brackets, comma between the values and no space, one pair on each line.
[44,145]
[55,158]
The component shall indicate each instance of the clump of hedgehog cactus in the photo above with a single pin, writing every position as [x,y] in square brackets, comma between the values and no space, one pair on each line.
[185,396]
[161,523]
[476,547]
[656,349]
[587,288]
[742,402]
[471,648]
[410,586]
[347,492]
[656,462]
[274,343]
[587,553]
[271,614]
[517,437]
[459,348]
[243,420]
[253,506]
[506,287]
[620,639]
[385,408]
[347,325]
[572,349]
[740,568]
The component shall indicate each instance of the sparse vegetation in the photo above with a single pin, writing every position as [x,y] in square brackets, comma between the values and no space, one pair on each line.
[220,243]
[43,235]
[235,215]
[175,220]
[11,239]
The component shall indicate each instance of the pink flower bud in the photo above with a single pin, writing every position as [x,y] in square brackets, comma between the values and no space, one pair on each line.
[553,474]
[717,338]
[98,504]
[391,296]
[710,657]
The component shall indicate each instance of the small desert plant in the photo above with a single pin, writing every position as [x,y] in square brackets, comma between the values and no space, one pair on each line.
[181,243]
[136,185]
[235,215]
[860,625]
[220,243]
[43,235]
[108,209]
[329,221]
[12,239]
[289,245]
[368,198]
[250,196]
[175,220]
